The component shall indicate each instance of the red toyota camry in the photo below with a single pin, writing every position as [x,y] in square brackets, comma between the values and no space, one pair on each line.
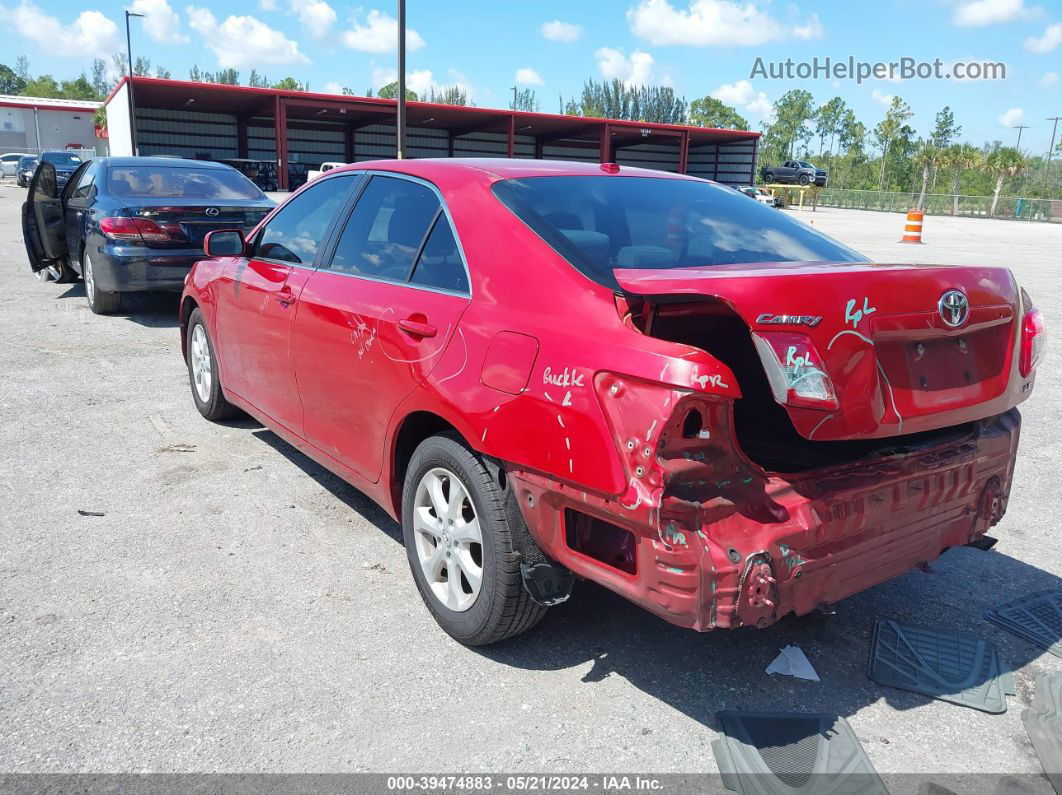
[546,370]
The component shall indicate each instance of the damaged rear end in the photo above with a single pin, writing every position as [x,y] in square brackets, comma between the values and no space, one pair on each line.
[875,428]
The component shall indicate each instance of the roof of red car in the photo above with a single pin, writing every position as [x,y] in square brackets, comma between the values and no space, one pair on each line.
[504,168]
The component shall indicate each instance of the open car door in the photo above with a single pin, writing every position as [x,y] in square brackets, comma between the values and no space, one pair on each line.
[43,222]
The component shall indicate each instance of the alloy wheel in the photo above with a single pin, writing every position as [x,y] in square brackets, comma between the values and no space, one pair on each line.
[448,538]
[202,366]
[90,279]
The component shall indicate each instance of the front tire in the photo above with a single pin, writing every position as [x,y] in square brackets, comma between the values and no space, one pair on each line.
[459,543]
[100,302]
[203,371]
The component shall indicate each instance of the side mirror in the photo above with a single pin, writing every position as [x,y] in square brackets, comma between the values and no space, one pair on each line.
[224,243]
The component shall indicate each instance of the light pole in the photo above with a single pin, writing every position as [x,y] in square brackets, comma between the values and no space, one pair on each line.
[132,101]
[1050,151]
[1019,128]
[400,121]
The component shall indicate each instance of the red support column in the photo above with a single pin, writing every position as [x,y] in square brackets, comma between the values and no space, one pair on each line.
[606,144]
[684,152]
[280,125]
[511,149]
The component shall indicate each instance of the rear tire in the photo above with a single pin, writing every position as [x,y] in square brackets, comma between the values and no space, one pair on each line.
[803,179]
[768,177]
[100,302]
[203,371]
[441,545]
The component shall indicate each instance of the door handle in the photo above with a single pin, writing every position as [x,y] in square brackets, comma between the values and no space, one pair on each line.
[416,328]
[285,297]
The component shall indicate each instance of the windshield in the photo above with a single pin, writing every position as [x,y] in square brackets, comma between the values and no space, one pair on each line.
[61,158]
[180,182]
[602,223]
[27,162]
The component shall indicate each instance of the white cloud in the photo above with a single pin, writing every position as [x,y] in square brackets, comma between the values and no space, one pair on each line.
[880,98]
[1044,44]
[333,88]
[634,71]
[267,5]
[161,22]
[314,15]
[528,77]
[421,82]
[1011,117]
[707,23]
[91,33]
[745,98]
[244,41]
[564,32]
[978,13]
[379,34]
[1049,79]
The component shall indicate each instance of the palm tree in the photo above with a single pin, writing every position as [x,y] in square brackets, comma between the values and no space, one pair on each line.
[926,157]
[959,158]
[1002,163]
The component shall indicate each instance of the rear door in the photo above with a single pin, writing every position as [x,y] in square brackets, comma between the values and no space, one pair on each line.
[257,300]
[80,192]
[374,320]
[43,224]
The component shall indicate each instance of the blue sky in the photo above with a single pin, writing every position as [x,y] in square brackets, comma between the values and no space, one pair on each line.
[697,46]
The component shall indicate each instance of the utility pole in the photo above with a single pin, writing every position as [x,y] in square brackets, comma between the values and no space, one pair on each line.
[400,121]
[1050,151]
[132,101]
[513,89]
[1019,128]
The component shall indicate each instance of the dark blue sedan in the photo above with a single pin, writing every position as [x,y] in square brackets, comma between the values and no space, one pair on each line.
[130,224]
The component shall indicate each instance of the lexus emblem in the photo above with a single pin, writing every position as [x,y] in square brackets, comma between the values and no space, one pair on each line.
[212,211]
[954,308]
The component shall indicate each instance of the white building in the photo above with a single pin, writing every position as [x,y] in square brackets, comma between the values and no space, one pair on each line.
[36,124]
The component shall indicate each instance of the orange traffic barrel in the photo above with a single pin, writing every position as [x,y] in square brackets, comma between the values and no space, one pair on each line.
[912,230]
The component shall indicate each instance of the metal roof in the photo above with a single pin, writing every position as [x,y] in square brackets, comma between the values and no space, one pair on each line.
[49,103]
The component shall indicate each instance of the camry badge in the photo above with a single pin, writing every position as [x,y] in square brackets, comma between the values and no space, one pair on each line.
[954,308]
[767,319]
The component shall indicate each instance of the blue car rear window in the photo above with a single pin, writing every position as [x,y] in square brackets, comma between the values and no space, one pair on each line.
[180,182]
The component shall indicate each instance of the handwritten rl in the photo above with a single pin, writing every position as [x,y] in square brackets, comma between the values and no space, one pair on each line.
[855,315]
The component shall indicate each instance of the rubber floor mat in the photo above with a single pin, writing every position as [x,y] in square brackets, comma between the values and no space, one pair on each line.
[960,668]
[1037,618]
[763,753]
[1043,723]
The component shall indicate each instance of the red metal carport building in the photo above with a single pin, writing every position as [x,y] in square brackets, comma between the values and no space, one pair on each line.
[211,120]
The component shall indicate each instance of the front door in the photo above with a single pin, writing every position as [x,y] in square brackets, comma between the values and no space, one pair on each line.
[43,224]
[375,318]
[258,300]
[78,197]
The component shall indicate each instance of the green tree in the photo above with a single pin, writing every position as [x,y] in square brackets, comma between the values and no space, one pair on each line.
[195,75]
[10,82]
[524,99]
[228,77]
[162,73]
[43,86]
[887,131]
[22,67]
[78,88]
[449,95]
[99,118]
[347,92]
[100,84]
[711,112]
[390,91]
[828,120]
[1004,162]
[257,80]
[792,112]
[290,84]
[959,158]
[926,159]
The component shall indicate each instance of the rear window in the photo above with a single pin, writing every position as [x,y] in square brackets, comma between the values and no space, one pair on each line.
[602,223]
[177,182]
[61,158]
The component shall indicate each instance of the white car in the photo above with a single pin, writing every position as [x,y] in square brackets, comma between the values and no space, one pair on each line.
[9,163]
[313,173]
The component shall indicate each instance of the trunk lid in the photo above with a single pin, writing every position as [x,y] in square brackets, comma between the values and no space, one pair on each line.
[884,333]
[187,221]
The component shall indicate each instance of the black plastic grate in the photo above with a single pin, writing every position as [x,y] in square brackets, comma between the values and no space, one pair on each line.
[955,667]
[1037,618]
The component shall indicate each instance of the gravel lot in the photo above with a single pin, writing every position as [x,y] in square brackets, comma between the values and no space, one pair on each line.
[240,609]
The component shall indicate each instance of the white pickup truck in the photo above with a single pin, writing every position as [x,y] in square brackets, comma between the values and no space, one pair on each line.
[314,173]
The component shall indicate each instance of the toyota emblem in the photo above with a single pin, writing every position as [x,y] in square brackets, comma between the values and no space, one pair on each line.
[212,211]
[954,308]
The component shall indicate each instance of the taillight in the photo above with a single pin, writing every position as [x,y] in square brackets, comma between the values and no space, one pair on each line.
[1033,339]
[133,229]
[795,371]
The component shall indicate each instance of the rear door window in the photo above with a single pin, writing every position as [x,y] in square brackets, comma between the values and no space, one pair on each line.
[299,227]
[440,264]
[386,230]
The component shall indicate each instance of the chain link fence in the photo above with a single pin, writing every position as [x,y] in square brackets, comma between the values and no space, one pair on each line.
[943,204]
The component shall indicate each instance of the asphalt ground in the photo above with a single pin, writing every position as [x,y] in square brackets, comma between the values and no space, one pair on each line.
[239,609]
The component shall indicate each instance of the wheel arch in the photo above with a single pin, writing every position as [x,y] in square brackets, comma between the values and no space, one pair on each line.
[414,428]
[188,303]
